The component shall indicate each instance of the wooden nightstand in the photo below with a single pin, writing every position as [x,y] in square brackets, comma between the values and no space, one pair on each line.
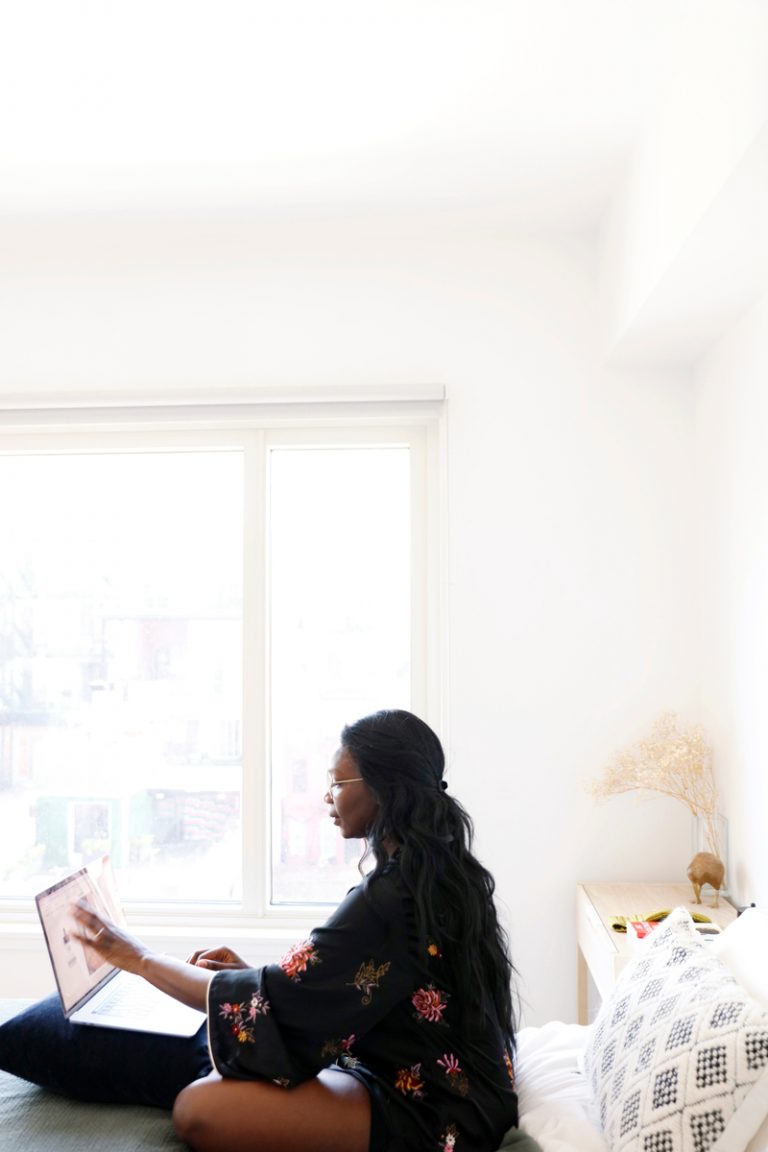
[602,953]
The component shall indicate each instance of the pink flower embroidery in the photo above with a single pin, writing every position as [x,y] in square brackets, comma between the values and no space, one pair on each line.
[259,1006]
[451,1064]
[298,958]
[429,1004]
[242,1016]
[454,1073]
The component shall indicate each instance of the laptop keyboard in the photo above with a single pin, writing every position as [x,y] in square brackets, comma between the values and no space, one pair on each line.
[129,1000]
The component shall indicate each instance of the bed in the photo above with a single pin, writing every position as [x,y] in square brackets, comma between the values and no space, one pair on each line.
[691,1077]
[34,1120]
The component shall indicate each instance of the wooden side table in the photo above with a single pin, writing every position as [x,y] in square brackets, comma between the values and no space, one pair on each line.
[602,953]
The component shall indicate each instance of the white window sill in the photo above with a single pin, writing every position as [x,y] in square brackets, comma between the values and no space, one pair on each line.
[25,969]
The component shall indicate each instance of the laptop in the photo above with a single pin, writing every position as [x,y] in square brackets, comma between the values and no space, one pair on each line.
[91,990]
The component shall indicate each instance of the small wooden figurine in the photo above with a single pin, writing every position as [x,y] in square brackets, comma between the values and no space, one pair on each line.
[706,868]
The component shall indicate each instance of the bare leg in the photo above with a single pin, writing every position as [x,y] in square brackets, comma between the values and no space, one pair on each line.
[331,1113]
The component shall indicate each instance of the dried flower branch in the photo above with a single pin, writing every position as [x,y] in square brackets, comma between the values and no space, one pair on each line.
[674,761]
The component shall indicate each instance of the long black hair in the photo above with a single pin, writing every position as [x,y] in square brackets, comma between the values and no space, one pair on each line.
[402,761]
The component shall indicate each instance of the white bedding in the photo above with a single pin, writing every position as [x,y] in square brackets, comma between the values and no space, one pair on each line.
[554,1097]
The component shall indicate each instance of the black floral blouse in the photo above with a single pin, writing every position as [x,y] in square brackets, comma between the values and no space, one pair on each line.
[365,994]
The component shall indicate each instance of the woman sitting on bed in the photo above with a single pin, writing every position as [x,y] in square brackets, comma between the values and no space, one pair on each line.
[392,1025]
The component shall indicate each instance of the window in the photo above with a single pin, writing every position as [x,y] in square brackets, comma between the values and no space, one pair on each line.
[187,619]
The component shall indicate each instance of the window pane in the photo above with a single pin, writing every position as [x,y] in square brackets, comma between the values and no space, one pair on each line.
[120,670]
[340,627]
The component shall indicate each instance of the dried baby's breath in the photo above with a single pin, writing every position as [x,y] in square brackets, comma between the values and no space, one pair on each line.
[674,761]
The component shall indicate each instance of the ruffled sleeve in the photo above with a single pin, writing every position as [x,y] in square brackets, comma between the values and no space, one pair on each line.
[286,1021]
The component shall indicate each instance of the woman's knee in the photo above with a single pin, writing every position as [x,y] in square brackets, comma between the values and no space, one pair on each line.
[189,1115]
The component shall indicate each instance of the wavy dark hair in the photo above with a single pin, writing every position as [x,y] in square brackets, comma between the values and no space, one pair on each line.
[402,761]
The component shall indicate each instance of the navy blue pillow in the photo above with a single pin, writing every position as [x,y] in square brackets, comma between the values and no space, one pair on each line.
[102,1065]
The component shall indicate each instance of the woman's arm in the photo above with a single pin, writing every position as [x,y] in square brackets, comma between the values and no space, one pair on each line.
[185,982]
[288,1020]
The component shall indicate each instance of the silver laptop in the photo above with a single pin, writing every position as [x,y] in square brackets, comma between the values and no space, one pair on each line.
[93,991]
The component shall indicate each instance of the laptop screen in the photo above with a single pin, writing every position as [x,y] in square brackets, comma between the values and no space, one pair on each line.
[78,969]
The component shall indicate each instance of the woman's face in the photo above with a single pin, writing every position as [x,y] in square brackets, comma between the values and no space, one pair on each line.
[353,806]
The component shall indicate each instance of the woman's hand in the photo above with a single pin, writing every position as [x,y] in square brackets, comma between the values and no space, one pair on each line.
[217,959]
[185,983]
[105,938]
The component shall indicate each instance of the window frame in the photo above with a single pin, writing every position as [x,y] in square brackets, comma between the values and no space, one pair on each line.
[256,428]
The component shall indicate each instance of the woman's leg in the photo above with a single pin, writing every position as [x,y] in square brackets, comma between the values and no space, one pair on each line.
[331,1113]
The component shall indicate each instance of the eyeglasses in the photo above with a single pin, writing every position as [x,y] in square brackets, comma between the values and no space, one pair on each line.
[334,784]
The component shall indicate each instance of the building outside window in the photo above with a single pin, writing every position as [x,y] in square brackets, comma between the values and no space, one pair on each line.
[187,619]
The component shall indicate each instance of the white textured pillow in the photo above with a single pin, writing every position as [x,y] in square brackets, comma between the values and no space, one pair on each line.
[743,948]
[678,1059]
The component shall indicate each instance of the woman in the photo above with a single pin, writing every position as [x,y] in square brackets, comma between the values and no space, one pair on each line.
[392,1025]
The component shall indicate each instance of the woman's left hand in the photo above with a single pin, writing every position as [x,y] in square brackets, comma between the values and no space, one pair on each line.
[110,942]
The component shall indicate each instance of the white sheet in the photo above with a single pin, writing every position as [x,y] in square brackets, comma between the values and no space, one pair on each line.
[555,1101]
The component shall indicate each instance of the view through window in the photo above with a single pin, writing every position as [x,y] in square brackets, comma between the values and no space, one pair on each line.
[340,578]
[137,588]
[120,670]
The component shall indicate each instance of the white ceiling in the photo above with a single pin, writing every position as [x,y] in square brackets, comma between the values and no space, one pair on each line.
[527,107]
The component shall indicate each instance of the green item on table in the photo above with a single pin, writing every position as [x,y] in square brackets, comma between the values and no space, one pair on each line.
[619,923]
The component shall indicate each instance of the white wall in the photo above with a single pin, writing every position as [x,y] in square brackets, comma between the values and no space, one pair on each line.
[709,117]
[570,614]
[570,528]
[732,493]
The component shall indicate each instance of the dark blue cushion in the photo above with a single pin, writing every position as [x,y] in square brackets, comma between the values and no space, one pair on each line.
[103,1065]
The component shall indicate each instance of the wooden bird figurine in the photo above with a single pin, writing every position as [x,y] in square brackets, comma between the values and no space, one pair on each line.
[706,868]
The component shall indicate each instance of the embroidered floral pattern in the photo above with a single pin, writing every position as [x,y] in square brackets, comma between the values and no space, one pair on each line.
[333,1049]
[430,1004]
[258,1006]
[448,1138]
[298,958]
[243,1016]
[454,1073]
[409,1081]
[368,977]
[431,1055]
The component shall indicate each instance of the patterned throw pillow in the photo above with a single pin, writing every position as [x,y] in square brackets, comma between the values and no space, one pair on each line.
[678,1057]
